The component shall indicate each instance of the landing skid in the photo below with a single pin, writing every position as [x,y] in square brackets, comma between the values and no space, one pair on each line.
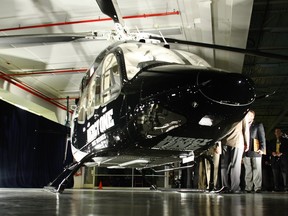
[59,184]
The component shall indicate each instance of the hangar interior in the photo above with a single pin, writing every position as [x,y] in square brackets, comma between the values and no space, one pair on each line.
[44,77]
[41,75]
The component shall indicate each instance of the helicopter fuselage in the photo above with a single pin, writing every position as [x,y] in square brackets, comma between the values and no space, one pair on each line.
[147,101]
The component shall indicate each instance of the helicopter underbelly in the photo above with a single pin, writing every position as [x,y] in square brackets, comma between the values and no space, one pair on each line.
[137,157]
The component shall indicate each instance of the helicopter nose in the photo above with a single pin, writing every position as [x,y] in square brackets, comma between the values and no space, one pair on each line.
[227,88]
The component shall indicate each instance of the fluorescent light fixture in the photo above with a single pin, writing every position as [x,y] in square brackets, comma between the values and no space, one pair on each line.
[128,163]
[21,107]
[138,161]
[115,167]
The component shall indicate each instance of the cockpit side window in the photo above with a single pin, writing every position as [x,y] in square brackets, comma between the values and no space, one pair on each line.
[110,82]
[104,86]
[139,55]
[82,108]
[87,97]
[91,98]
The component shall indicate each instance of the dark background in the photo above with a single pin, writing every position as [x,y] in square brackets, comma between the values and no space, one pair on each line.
[32,148]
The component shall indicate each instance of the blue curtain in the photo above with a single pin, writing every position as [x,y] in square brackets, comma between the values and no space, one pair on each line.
[32,148]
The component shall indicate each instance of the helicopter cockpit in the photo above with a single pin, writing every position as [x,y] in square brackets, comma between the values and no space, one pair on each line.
[102,83]
[140,55]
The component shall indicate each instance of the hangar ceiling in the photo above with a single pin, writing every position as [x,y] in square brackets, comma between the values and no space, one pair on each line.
[40,76]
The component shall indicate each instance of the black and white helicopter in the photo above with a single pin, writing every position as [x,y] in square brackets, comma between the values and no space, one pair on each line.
[144,105]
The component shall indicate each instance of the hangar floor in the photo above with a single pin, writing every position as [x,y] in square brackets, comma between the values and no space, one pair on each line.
[139,202]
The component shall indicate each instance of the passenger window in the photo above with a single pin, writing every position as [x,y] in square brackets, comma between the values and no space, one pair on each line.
[111,84]
[82,109]
[83,100]
[91,99]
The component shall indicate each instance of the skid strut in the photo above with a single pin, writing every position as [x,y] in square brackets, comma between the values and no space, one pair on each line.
[59,184]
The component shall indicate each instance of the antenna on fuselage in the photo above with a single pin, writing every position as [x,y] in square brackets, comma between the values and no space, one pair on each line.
[166,45]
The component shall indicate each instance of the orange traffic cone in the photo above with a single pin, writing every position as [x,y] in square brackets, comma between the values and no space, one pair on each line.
[100,185]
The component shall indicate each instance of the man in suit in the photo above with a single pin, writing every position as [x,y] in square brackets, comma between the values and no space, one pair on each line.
[278,151]
[253,157]
[233,146]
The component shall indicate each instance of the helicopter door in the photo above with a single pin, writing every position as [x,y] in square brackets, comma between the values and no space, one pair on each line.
[111,86]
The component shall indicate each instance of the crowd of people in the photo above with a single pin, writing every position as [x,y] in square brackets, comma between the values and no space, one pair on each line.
[244,161]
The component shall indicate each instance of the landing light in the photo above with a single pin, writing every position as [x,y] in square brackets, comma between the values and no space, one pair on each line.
[206,121]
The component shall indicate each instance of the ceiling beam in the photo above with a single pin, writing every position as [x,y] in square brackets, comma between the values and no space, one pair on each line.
[54,72]
[168,13]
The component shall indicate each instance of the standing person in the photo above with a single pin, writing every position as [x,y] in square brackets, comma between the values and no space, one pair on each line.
[278,150]
[233,146]
[253,157]
[210,158]
[216,152]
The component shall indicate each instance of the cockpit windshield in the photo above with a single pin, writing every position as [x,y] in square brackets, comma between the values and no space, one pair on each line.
[140,55]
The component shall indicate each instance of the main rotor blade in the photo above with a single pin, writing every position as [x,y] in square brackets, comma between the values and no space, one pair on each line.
[226,48]
[111,9]
[38,38]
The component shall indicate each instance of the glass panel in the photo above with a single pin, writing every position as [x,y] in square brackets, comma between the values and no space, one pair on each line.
[139,55]
[89,177]
[111,85]
[82,109]
[91,99]
[128,177]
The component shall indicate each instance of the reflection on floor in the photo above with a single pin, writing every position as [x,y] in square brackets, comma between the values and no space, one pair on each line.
[130,202]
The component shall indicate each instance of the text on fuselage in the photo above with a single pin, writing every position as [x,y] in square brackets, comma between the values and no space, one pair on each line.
[100,126]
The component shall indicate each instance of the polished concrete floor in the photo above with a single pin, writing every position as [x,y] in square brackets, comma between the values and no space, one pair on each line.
[138,202]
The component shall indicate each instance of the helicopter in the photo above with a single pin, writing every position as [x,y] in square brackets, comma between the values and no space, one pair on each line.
[143,104]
